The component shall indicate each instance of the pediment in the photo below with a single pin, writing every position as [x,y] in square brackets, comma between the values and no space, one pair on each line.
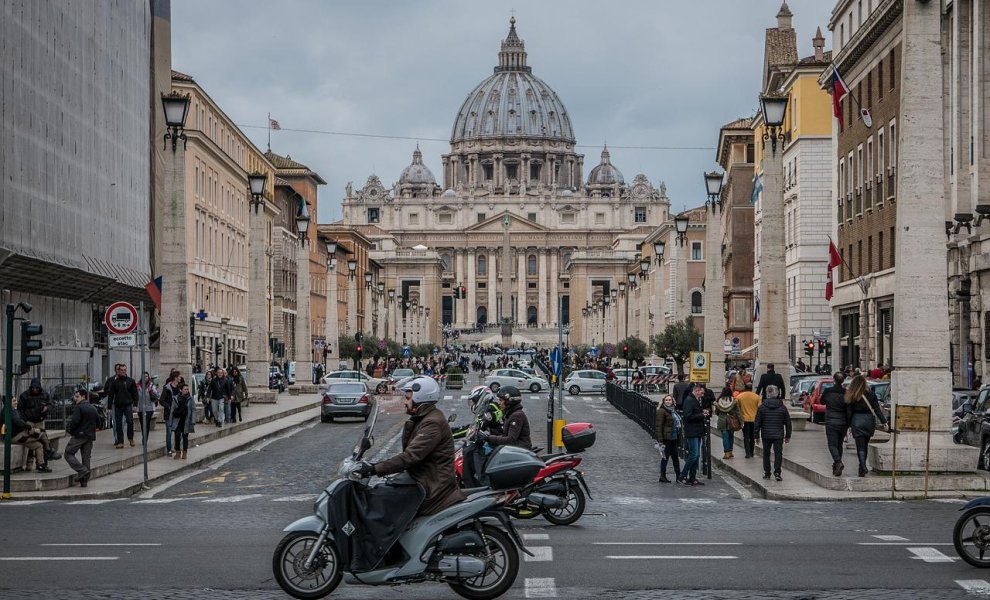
[517,224]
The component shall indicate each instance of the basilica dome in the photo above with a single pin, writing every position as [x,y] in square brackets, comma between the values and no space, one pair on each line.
[417,173]
[605,173]
[512,103]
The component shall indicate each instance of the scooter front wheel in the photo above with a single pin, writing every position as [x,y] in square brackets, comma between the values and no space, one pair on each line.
[971,537]
[503,566]
[289,566]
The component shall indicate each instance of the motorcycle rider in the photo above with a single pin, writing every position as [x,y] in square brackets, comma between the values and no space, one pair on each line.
[516,426]
[489,419]
[427,448]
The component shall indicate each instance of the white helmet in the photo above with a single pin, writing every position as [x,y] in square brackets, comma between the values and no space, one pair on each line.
[477,393]
[425,389]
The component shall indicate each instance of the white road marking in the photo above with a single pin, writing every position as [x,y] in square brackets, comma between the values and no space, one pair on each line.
[566,410]
[99,501]
[904,543]
[159,500]
[540,554]
[629,500]
[607,412]
[96,544]
[541,587]
[977,586]
[697,557]
[448,397]
[299,498]
[228,499]
[697,501]
[742,490]
[930,555]
[891,538]
[22,502]
[47,558]
[667,543]
[953,501]
[536,536]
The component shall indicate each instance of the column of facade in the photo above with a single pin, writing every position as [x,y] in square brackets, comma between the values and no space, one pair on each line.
[714,278]
[332,327]
[459,273]
[471,311]
[352,304]
[521,287]
[541,288]
[258,334]
[773,342]
[492,264]
[176,347]
[303,333]
[368,308]
[554,292]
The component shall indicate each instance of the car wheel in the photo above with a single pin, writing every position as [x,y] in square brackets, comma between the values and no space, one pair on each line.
[325,419]
[494,386]
[574,390]
[329,420]
[534,388]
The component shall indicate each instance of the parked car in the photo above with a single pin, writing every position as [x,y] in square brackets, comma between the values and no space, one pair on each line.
[380,386]
[796,377]
[622,375]
[516,377]
[402,374]
[813,401]
[655,370]
[585,380]
[961,396]
[346,399]
[800,389]
[974,426]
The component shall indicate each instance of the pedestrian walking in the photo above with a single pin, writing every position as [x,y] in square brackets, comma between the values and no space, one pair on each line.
[169,391]
[694,428]
[771,377]
[773,425]
[204,397]
[34,404]
[122,393]
[82,433]
[219,392]
[836,420]
[183,420]
[864,415]
[749,403]
[729,420]
[667,430]
[147,401]
[239,395]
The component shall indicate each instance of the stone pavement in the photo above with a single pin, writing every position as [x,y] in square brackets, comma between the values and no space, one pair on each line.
[120,472]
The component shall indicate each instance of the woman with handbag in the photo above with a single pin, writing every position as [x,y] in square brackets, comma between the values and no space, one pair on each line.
[865,413]
[668,430]
[729,419]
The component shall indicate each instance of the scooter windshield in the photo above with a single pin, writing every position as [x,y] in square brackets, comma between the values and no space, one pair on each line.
[366,441]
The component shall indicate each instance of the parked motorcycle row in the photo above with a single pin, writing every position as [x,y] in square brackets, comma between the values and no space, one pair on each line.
[471,546]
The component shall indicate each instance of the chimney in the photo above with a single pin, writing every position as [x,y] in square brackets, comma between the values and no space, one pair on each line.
[819,44]
[784,16]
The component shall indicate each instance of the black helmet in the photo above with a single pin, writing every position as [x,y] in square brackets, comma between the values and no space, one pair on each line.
[509,393]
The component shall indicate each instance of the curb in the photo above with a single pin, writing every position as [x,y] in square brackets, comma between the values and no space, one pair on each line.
[137,487]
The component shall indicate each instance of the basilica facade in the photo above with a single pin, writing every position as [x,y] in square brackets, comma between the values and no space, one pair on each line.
[514,230]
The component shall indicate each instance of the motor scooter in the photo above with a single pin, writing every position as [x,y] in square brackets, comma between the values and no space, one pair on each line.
[971,534]
[369,533]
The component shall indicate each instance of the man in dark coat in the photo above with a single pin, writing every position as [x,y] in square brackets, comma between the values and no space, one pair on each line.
[28,436]
[427,448]
[515,424]
[773,424]
[122,394]
[82,431]
[34,404]
[836,420]
[771,377]
[693,416]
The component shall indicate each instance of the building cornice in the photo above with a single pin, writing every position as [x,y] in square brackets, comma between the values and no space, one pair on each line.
[883,17]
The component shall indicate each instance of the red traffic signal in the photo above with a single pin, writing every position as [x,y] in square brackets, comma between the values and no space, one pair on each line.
[463,292]
[359,349]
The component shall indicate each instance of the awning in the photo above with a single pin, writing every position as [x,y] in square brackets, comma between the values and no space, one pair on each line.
[750,349]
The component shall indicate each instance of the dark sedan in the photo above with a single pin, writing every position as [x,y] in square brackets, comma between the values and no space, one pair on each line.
[349,399]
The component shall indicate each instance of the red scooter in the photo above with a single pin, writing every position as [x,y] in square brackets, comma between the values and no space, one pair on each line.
[558,492]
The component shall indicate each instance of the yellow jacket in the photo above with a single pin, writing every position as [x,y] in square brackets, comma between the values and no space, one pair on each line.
[748,403]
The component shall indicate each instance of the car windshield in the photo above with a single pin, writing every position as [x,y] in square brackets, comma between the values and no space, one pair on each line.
[344,389]
[403,373]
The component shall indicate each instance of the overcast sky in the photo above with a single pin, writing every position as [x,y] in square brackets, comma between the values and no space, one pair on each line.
[631,72]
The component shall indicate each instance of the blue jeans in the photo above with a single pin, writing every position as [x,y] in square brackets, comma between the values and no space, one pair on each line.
[120,415]
[690,471]
[168,436]
[727,440]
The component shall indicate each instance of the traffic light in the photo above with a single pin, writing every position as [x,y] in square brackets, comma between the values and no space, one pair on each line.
[457,293]
[809,348]
[219,348]
[358,337]
[625,351]
[29,346]
[463,292]
[821,346]
[359,349]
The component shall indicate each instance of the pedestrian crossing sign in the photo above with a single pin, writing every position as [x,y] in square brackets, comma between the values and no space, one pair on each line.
[700,367]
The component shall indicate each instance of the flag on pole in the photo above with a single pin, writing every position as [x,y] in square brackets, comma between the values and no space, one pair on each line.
[834,260]
[273,124]
[154,289]
[756,308]
[839,91]
[757,189]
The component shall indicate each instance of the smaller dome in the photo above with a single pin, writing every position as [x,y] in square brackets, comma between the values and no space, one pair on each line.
[605,173]
[567,193]
[417,173]
[420,248]
[449,193]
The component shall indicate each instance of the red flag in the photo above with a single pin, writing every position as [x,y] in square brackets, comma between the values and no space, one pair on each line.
[154,289]
[839,91]
[834,260]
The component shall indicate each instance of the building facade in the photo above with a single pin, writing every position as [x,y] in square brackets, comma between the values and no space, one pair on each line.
[514,221]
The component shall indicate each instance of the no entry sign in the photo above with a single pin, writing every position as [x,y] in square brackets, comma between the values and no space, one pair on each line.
[121,318]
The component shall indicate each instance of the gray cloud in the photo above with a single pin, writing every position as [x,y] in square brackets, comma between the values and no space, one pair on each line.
[632,73]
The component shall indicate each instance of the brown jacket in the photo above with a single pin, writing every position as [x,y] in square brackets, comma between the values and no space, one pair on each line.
[428,456]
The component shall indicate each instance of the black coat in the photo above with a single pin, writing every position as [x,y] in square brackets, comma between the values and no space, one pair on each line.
[32,406]
[773,422]
[836,409]
[84,421]
[694,419]
[121,391]
[515,424]
[770,379]
[220,387]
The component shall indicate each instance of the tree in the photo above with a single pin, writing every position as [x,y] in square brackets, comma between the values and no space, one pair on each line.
[637,348]
[677,341]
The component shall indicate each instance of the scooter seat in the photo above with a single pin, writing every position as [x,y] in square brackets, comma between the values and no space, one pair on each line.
[470,491]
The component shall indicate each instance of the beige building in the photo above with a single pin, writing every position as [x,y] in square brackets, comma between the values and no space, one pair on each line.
[513,222]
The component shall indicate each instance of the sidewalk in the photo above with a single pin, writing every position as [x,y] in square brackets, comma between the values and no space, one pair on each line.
[120,473]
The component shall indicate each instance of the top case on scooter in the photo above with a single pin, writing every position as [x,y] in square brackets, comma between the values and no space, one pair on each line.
[511,467]
[578,436]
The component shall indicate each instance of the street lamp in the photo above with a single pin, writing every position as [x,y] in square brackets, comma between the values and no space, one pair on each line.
[331,247]
[681,225]
[256,185]
[773,108]
[391,295]
[367,279]
[176,107]
[713,184]
[622,288]
[381,289]
[658,248]
[632,280]
[352,267]
[302,221]
[644,268]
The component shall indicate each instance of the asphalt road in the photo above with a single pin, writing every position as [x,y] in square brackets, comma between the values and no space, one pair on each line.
[211,535]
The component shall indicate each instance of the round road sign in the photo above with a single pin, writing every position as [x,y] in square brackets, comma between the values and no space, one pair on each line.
[121,318]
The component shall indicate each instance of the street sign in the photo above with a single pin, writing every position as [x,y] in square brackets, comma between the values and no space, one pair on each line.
[406,352]
[556,361]
[121,318]
[912,418]
[593,351]
[700,367]
[122,341]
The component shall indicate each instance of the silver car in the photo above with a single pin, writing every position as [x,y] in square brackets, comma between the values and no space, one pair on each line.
[584,381]
[517,378]
[379,386]
[346,400]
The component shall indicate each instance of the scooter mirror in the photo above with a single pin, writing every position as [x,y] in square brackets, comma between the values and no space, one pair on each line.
[365,444]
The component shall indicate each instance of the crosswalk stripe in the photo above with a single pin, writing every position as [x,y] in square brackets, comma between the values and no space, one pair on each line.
[541,587]
[299,498]
[240,498]
[891,538]
[93,502]
[22,502]
[978,586]
[930,555]
[540,554]
[448,397]
[159,500]
[536,536]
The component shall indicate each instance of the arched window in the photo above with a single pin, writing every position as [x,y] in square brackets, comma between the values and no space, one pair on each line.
[696,303]
[445,262]
[531,264]
[482,315]
[482,265]
[531,315]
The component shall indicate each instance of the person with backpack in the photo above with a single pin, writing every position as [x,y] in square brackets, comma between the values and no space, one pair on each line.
[773,425]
